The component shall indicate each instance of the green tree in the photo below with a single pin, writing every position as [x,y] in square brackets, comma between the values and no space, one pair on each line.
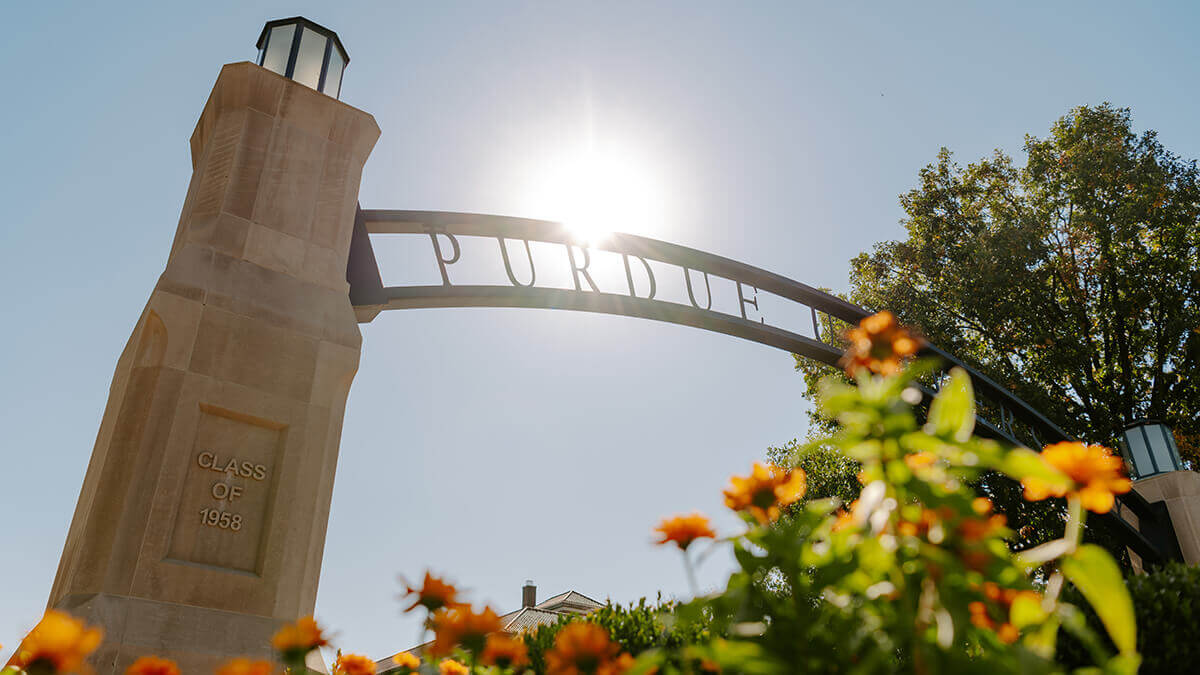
[830,473]
[1074,280]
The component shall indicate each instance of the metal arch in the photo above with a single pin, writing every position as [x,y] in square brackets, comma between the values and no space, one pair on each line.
[1152,538]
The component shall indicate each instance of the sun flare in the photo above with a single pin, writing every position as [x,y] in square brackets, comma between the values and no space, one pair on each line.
[595,191]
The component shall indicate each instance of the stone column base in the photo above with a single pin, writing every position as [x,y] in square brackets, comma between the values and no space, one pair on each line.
[197,639]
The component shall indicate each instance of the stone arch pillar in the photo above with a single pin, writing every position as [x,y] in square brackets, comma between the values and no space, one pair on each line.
[201,522]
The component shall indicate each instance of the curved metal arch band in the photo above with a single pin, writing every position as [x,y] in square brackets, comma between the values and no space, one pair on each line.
[369,296]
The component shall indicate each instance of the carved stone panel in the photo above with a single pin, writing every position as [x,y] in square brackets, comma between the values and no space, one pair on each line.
[228,491]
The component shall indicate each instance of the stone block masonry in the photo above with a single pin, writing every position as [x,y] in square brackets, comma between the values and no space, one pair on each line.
[201,522]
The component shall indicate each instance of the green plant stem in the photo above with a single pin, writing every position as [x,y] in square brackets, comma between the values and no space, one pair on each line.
[1075,518]
[691,574]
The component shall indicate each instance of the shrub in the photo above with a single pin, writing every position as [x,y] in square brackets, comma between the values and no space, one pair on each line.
[1167,604]
[638,628]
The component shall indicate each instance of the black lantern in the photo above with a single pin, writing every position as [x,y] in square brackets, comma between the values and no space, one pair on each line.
[306,52]
[1149,447]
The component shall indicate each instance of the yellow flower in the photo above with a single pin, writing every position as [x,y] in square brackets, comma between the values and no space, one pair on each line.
[244,666]
[353,664]
[406,660]
[297,639]
[878,345]
[59,641]
[452,667]
[583,647]
[504,651]
[765,491]
[152,665]
[433,594]
[683,530]
[462,626]
[1096,475]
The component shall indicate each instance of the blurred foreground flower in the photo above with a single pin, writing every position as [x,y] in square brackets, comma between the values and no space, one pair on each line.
[1097,475]
[1000,601]
[583,647]
[504,651]
[683,530]
[434,594]
[353,664]
[59,643]
[406,663]
[765,491]
[244,666]
[462,626]
[295,640]
[879,344]
[452,667]
[152,665]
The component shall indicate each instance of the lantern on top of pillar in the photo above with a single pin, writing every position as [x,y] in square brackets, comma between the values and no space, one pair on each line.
[306,52]
[1149,447]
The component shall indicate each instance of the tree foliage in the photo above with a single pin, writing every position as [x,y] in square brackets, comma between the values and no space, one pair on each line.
[1074,279]
[830,473]
[636,627]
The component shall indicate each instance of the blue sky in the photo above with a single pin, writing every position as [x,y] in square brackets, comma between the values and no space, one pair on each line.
[500,445]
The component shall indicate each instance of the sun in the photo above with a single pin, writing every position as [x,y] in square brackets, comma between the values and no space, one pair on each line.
[598,189]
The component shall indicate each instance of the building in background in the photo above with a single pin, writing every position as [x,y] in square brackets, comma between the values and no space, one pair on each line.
[531,615]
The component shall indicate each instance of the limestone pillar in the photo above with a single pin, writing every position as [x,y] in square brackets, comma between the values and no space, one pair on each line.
[1180,491]
[201,522]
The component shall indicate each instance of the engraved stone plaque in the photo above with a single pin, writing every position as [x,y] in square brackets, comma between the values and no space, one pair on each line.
[228,491]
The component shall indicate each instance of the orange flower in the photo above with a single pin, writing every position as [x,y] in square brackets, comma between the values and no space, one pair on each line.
[1002,600]
[297,639]
[406,662]
[433,594]
[244,666]
[919,528]
[152,665]
[765,491]
[583,647]
[462,626]
[353,664]
[504,651]
[977,529]
[683,530]
[919,460]
[452,667]
[1096,475]
[878,345]
[58,641]
[847,517]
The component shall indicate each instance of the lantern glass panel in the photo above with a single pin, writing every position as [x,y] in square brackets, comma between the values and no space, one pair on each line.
[279,46]
[333,77]
[310,58]
[1139,452]
[1162,445]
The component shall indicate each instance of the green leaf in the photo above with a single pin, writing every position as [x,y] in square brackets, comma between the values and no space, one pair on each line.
[1123,664]
[1099,579]
[952,413]
[1026,610]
